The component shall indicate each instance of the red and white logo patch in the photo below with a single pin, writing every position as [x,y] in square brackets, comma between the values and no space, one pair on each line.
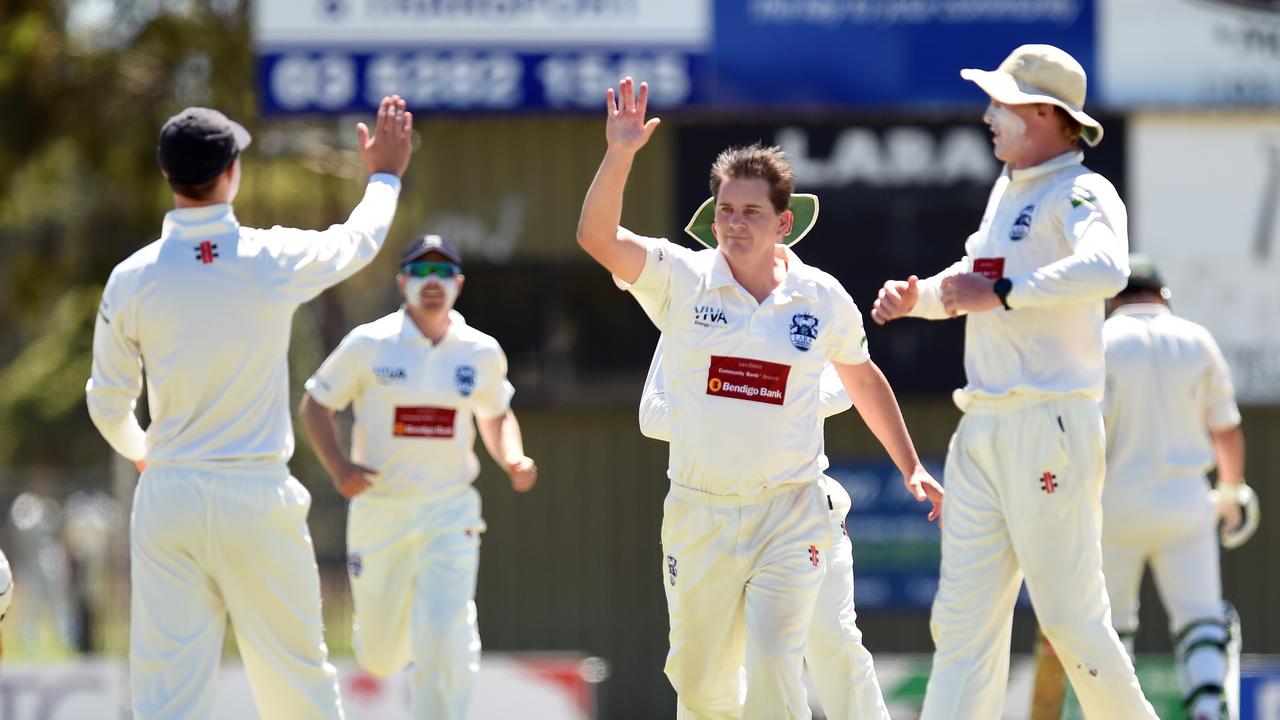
[990,268]
[746,379]
[424,422]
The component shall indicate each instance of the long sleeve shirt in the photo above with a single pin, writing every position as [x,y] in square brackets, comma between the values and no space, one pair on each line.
[206,312]
[1059,232]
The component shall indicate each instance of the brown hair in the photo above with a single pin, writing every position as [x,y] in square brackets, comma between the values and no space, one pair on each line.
[757,161]
[1071,127]
[198,192]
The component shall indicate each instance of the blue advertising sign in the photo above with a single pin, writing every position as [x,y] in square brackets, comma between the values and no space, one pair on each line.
[336,56]
[896,550]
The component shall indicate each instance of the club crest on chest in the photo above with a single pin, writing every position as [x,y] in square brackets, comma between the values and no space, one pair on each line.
[803,331]
[1022,225]
[464,378]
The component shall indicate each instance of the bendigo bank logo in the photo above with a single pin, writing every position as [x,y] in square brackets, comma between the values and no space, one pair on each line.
[746,379]
[707,316]
[423,422]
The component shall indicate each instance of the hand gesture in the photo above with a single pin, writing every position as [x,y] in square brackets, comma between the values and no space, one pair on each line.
[895,300]
[968,292]
[1230,515]
[387,148]
[923,487]
[625,127]
[523,474]
[352,479]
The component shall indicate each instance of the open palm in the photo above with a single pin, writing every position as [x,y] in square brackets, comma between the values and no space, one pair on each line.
[626,128]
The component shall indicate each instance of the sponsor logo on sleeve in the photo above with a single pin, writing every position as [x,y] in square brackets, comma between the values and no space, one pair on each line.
[990,268]
[804,331]
[464,378]
[390,375]
[746,379]
[1022,224]
[355,564]
[1080,196]
[423,422]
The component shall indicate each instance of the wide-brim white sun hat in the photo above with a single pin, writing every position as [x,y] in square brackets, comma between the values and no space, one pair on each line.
[1040,74]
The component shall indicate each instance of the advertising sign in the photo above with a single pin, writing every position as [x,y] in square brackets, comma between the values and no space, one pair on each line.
[1205,205]
[335,56]
[1222,53]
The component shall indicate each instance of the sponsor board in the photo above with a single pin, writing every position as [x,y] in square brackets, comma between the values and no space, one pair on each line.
[1220,53]
[1204,203]
[531,686]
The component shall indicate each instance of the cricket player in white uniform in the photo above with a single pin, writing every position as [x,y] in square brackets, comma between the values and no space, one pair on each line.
[842,668]
[1171,415]
[1025,468]
[219,526]
[748,329]
[416,378]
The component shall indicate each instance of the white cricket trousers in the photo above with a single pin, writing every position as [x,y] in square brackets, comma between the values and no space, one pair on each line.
[1024,497]
[1170,524]
[741,576]
[841,666]
[413,562]
[208,543]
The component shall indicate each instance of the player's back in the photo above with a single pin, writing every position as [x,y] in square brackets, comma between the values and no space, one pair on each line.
[1166,386]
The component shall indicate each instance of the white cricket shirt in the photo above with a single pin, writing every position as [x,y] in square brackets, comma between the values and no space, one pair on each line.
[206,311]
[1167,387]
[414,400]
[1059,232]
[741,377]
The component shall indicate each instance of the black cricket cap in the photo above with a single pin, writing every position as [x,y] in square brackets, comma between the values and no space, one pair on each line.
[198,143]
[430,244]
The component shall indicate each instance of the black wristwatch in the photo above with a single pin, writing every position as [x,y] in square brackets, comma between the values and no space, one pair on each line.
[1002,288]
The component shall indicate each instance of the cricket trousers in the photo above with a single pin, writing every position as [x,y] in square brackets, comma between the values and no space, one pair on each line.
[412,561]
[741,576]
[1024,482]
[206,544]
[841,666]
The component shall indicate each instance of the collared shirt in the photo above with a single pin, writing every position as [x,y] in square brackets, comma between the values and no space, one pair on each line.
[1059,232]
[414,400]
[207,311]
[1168,386]
[741,376]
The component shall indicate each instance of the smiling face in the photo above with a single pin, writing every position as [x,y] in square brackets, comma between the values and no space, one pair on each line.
[1009,125]
[746,220]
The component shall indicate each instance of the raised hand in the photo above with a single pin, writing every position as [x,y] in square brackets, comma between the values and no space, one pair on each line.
[388,147]
[625,127]
[895,300]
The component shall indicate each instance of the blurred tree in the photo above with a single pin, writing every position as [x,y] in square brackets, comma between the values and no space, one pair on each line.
[87,85]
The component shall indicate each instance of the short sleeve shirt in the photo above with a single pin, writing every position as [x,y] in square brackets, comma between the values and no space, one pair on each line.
[743,377]
[413,400]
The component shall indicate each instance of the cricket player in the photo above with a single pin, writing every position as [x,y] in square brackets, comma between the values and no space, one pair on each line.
[219,526]
[747,331]
[1025,468]
[1171,415]
[840,664]
[416,378]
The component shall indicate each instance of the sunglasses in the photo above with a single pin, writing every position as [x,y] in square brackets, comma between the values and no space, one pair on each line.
[443,270]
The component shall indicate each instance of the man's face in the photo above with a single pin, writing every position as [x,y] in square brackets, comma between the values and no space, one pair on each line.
[431,283]
[745,218]
[1012,129]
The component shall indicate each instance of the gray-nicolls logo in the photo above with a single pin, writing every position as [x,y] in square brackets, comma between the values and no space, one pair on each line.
[671,569]
[1265,236]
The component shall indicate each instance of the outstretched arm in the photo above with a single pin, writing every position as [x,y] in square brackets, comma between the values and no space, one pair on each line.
[878,407]
[626,130]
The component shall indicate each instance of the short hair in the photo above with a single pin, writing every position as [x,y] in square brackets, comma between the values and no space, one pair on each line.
[757,161]
[198,191]
[1071,127]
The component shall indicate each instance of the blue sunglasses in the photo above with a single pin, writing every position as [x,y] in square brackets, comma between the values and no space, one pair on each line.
[443,270]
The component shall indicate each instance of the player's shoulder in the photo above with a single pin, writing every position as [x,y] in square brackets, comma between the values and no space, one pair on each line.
[134,268]
[820,284]
[1082,186]
[472,339]
[383,329]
